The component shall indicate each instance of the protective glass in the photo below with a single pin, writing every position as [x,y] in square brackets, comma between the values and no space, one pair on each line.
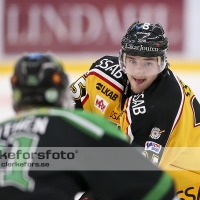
[142,66]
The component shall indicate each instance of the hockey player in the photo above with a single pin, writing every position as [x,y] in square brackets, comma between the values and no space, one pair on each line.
[103,89]
[162,111]
[40,96]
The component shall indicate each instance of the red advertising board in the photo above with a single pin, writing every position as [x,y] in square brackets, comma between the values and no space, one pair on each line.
[73,26]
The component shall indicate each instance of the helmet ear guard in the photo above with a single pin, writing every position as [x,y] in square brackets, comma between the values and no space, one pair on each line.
[144,40]
[39,80]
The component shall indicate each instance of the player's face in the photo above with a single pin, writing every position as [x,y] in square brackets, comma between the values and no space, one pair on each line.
[141,72]
[142,66]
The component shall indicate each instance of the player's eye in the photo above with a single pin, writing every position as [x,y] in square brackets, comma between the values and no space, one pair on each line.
[132,61]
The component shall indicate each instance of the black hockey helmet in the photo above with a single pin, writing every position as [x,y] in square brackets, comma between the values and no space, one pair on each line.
[145,40]
[39,80]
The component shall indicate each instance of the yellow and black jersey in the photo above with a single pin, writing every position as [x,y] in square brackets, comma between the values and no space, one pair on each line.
[165,120]
[103,89]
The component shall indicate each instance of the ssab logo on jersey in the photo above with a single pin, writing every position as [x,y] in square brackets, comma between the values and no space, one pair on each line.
[152,146]
[100,103]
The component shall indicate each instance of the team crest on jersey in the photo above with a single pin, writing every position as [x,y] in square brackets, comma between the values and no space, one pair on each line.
[152,146]
[156,133]
[100,103]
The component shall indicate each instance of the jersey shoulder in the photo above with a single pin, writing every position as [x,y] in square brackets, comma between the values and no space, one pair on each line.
[100,125]
[87,122]
[107,67]
[93,124]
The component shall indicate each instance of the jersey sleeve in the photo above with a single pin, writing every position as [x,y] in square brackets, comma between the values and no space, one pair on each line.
[125,185]
[104,89]
[181,154]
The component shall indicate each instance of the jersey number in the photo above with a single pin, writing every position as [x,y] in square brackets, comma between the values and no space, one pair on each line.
[17,175]
[77,87]
[146,26]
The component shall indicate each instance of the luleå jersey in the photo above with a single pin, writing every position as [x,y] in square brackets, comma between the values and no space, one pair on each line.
[167,114]
[48,127]
[102,89]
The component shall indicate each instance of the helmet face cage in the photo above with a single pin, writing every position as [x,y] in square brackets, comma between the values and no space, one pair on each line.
[144,40]
[39,80]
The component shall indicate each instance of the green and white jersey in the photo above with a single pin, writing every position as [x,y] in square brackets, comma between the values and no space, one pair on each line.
[54,128]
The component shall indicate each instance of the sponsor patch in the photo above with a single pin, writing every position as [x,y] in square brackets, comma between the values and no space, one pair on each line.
[111,67]
[106,91]
[138,104]
[152,146]
[100,103]
[156,133]
[141,48]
